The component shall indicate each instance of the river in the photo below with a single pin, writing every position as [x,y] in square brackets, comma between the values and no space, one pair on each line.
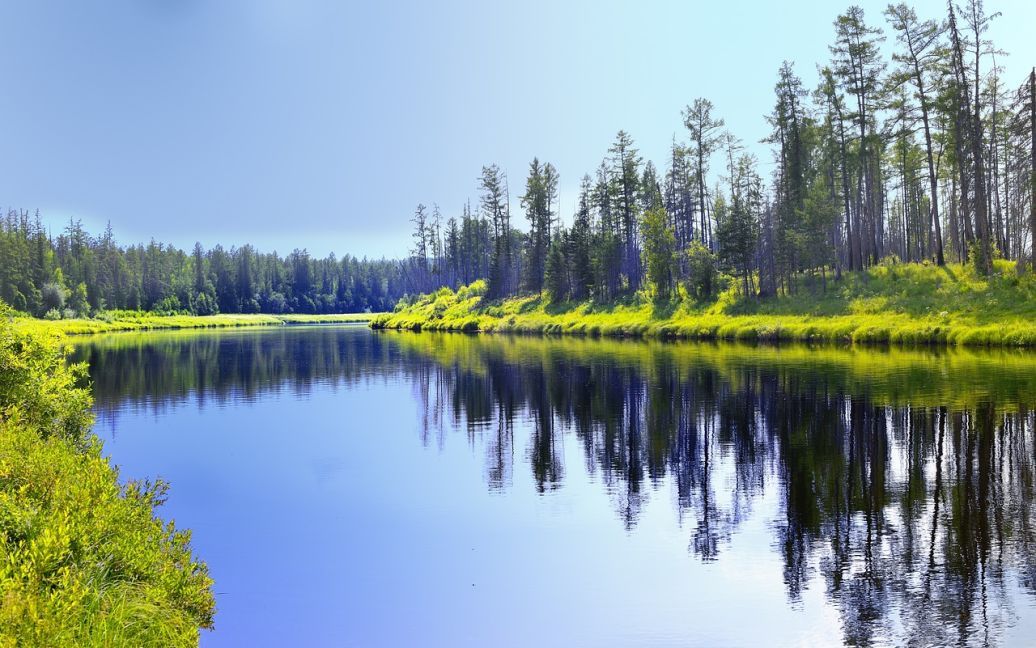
[357,488]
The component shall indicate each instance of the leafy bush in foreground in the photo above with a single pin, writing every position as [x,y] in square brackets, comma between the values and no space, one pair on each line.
[84,560]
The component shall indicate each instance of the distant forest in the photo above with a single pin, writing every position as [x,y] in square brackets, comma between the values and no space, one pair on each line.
[923,157]
[76,274]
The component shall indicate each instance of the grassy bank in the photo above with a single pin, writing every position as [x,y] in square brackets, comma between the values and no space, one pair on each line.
[86,562]
[139,321]
[889,303]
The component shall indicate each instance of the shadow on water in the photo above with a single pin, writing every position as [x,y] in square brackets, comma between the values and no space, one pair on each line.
[905,478]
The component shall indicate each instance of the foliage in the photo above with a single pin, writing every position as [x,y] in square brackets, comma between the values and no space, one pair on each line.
[86,561]
[556,279]
[659,251]
[702,272]
[84,273]
[112,321]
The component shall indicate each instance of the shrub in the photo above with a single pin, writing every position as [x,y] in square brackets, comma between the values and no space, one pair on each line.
[205,304]
[168,306]
[702,272]
[54,295]
[477,288]
[86,561]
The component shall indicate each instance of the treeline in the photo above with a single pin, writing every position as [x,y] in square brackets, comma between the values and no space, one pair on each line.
[927,157]
[77,274]
[923,157]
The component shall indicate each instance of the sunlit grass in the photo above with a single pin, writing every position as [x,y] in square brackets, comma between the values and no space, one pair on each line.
[890,303]
[142,321]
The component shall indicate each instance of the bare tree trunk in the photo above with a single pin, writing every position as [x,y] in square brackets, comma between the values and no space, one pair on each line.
[850,239]
[932,178]
[1032,179]
[984,260]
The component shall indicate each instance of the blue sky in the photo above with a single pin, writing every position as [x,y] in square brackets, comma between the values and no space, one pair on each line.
[322,124]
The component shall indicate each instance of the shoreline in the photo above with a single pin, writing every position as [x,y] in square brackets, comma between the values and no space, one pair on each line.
[846,330]
[901,304]
[148,322]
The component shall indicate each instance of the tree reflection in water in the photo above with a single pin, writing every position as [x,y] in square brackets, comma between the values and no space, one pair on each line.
[905,478]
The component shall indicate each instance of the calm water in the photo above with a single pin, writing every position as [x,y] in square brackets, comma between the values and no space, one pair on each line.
[352,488]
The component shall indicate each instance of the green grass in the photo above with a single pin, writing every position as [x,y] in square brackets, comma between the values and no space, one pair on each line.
[142,321]
[889,303]
[86,562]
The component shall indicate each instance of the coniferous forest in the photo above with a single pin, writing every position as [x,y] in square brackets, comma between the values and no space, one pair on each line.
[926,156]
[77,274]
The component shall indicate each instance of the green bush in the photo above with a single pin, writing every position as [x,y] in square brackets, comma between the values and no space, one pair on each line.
[85,561]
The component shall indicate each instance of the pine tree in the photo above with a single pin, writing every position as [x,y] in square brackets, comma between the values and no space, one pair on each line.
[625,171]
[494,207]
[705,131]
[920,53]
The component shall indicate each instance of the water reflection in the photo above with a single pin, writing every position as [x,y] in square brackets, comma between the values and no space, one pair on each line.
[904,479]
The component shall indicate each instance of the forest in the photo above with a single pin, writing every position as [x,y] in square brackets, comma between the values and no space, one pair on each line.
[924,157]
[894,487]
[76,274]
[921,156]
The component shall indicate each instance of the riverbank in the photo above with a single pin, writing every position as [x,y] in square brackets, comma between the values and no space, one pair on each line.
[86,560]
[890,303]
[139,321]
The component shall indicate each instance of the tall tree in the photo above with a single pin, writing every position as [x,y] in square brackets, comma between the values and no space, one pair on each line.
[833,100]
[705,132]
[1032,170]
[535,201]
[737,222]
[858,63]
[494,206]
[787,122]
[581,238]
[659,251]
[920,53]
[625,170]
[969,128]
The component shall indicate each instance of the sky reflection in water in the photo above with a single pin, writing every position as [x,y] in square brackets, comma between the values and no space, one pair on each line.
[357,488]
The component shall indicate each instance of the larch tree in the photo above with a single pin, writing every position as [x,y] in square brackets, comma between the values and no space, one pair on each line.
[919,54]
[859,66]
[706,134]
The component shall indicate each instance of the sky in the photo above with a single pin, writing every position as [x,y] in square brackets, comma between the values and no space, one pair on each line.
[322,124]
